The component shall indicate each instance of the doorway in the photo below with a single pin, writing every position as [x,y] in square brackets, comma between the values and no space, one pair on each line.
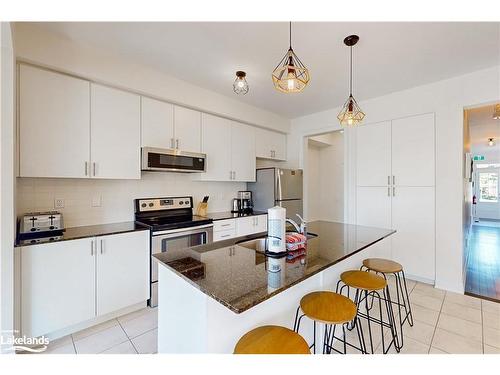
[482,270]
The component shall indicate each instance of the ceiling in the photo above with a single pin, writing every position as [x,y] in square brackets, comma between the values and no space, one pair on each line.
[389,56]
[483,126]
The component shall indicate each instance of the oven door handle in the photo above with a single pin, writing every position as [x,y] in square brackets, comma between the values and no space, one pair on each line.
[174,232]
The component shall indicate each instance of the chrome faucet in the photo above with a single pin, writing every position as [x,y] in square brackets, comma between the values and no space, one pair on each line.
[299,229]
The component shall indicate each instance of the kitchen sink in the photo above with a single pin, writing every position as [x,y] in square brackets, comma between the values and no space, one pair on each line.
[259,244]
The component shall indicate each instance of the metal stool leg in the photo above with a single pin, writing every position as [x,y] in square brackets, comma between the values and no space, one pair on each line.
[407,299]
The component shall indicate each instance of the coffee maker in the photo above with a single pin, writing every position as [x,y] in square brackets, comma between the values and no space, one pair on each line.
[246,202]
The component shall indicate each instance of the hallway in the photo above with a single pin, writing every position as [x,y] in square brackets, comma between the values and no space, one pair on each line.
[483,266]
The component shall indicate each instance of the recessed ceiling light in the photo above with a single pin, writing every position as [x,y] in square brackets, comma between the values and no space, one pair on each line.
[491,142]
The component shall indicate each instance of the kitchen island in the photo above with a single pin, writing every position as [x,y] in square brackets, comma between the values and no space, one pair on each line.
[210,295]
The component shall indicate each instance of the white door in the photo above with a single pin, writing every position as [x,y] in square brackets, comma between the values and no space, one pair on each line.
[373,154]
[413,217]
[187,129]
[373,209]
[54,124]
[413,151]
[487,193]
[57,285]
[122,270]
[243,152]
[216,138]
[115,133]
[157,125]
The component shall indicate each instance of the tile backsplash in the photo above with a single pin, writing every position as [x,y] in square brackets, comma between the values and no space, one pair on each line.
[94,201]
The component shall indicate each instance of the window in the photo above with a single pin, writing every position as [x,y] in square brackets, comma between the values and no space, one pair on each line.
[488,187]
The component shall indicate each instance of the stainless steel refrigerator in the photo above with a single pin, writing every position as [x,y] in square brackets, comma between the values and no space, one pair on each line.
[278,187]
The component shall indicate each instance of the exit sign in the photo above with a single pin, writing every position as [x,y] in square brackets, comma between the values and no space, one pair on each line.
[478,157]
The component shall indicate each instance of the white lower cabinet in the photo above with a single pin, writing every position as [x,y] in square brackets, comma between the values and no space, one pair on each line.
[69,282]
[241,226]
[57,285]
[122,271]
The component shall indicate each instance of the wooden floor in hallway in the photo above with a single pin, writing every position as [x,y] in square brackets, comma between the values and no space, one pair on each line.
[483,266]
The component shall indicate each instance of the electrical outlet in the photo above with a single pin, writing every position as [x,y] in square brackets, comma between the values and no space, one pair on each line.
[96,201]
[58,203]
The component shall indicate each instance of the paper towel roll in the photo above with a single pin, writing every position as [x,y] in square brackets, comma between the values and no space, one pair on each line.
[276,226]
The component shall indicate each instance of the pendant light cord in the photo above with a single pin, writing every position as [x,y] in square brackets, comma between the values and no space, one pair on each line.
[290,34]
[350,76]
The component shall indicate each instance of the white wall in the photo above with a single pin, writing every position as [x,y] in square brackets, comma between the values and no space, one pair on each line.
[6,180]
[447,100]
[52,50]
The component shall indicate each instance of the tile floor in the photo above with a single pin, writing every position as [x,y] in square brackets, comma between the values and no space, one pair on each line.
[444,322]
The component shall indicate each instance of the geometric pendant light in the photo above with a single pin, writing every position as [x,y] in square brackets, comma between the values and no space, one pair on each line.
[351,113]
[496,112]
[290,75]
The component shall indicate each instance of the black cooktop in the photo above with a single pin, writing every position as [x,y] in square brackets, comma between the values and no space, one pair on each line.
[157,223]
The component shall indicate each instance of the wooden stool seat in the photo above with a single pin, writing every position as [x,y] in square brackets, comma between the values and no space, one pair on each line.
[328,307]
[271,340]
[382,265]
[363,280]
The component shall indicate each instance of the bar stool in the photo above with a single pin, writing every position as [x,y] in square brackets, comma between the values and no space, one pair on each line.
[331,309]
[367,284]
[271,340]
[385,267]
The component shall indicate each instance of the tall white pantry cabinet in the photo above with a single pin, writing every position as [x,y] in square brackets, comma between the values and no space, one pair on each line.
[395,188]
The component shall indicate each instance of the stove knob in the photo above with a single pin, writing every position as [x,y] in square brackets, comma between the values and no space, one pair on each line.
[181,203]
[33,229]
[51,227]
[33,241]
[143,205]
[187,202]
[151,204]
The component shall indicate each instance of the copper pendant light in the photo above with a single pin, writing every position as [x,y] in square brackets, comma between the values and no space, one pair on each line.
[351,113]
[290,75]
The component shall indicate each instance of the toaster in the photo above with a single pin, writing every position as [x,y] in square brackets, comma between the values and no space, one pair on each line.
[41,222]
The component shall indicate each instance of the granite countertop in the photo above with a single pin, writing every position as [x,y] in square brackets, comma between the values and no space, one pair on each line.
[89,231]
[239,278]
[231,215]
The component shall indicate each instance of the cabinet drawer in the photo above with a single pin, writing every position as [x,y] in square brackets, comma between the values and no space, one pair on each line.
[224,225]
[224,234]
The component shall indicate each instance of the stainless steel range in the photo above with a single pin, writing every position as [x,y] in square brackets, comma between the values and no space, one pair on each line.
[173,229]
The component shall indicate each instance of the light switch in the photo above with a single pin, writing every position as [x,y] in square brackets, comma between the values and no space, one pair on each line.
[96,200]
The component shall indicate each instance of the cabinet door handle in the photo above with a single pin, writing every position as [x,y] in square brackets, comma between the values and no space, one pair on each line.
[225,235]
[234,175]
[171,143]
[92,248]
[388,180]
[86,168]
[388,191]
[94,167]
[225,225]
[394,180]
[177,143]
[393,191]
[230,175]
[271,151]
[102,246]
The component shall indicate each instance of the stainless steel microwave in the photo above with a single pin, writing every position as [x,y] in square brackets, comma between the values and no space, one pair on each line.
[172,160]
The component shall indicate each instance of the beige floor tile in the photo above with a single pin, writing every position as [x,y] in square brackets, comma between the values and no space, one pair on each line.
[101,341]
[491,319]
[410,346]
[425,315]
[436,351]
[147,343]
[455,344]
[491,306]
[491,350]
[429,290]
[491,336]
[462,312]
[61,349]
[135,314]
[94,329]
[421,332]
[463,300]
[425,300]
[140,324]
[123,348]
[65,340]
[460,326]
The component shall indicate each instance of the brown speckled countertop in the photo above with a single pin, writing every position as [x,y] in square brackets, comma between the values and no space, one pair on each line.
[239,277]
[90,231]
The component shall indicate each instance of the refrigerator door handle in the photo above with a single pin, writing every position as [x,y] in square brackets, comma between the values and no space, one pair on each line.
[278,185]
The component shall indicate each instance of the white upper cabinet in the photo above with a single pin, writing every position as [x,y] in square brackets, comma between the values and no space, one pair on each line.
[115,133]
[216,133]
[54,118]
[373,154]
[270,144]
[157,125]
[243,152]
[187,129]
[413,159]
